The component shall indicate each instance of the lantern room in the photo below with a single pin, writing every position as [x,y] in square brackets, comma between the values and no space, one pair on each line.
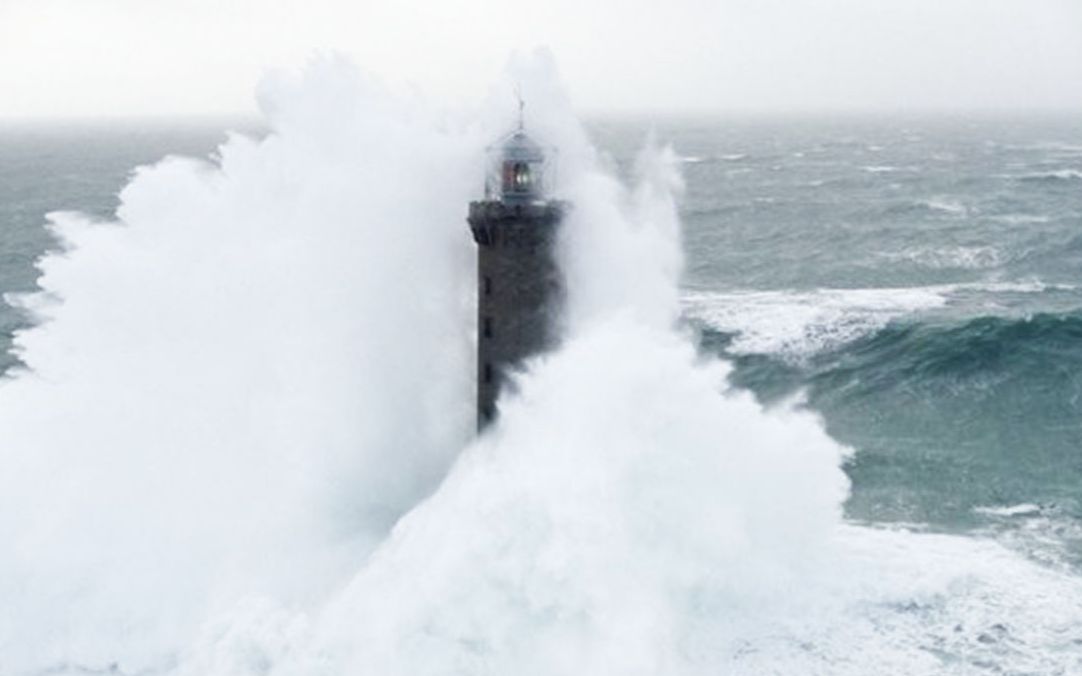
[518,170]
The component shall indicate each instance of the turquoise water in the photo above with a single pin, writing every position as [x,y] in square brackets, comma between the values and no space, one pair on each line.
[915,281]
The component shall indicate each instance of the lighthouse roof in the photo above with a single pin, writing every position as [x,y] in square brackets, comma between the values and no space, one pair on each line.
[519,168]
[519,146]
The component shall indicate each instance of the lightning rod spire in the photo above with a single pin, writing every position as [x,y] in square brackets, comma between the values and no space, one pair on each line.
[521,107]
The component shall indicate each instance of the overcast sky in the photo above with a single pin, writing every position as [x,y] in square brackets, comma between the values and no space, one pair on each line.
[131,57]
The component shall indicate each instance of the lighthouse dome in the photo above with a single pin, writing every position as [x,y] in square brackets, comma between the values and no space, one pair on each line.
[520,146]
[518,170]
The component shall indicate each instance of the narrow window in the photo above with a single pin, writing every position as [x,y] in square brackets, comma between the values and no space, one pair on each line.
[488,285]
[486,327]
[488,373]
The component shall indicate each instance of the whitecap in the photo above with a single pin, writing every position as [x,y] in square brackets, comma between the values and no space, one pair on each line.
[1020,219]
[947,206]
[955,257]
[1023,509]
[798,324]
[881,169]
[794,325]
[1055,175]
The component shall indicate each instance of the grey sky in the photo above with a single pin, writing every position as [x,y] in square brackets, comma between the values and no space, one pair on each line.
[129,57]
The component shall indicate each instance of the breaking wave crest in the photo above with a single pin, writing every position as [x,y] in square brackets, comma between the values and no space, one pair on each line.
[799,324]
[939,207]
[1054,176]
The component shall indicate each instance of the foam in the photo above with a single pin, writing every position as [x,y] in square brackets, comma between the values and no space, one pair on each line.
[954,257]
[1047,533]
[795,325]
[946,206]
[1057,175]
[240,384]
[885,169]
[1020,219]
[892,601]
[1023,509]
[798,324]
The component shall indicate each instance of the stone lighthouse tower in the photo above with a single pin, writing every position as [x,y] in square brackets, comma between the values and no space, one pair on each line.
[518,284]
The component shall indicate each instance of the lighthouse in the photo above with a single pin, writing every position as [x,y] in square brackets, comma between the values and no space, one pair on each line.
[519,288]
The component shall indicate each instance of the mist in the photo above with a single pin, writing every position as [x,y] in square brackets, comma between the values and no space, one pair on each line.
[122,57]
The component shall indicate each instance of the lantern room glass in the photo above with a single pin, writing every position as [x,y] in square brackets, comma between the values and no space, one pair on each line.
[518,170]
[519,177]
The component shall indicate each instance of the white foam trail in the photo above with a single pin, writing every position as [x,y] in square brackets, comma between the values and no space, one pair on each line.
[264,364]
[1020,219]
[798,324]
[1023,509]
[953,257]
[1057,175]
[946,206]
[1043,533]
[885,169]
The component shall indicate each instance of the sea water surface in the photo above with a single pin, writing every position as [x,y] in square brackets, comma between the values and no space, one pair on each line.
[917,282]
[914,281]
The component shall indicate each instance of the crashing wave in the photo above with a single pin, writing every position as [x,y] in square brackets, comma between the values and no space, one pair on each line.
[798,324]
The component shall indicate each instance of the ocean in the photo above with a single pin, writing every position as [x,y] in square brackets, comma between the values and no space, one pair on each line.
[911,281]
[915,281]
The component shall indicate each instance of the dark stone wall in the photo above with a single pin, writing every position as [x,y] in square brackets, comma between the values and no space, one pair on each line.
[519,291]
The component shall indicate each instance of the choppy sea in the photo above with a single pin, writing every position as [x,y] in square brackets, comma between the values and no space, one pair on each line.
[916,282]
